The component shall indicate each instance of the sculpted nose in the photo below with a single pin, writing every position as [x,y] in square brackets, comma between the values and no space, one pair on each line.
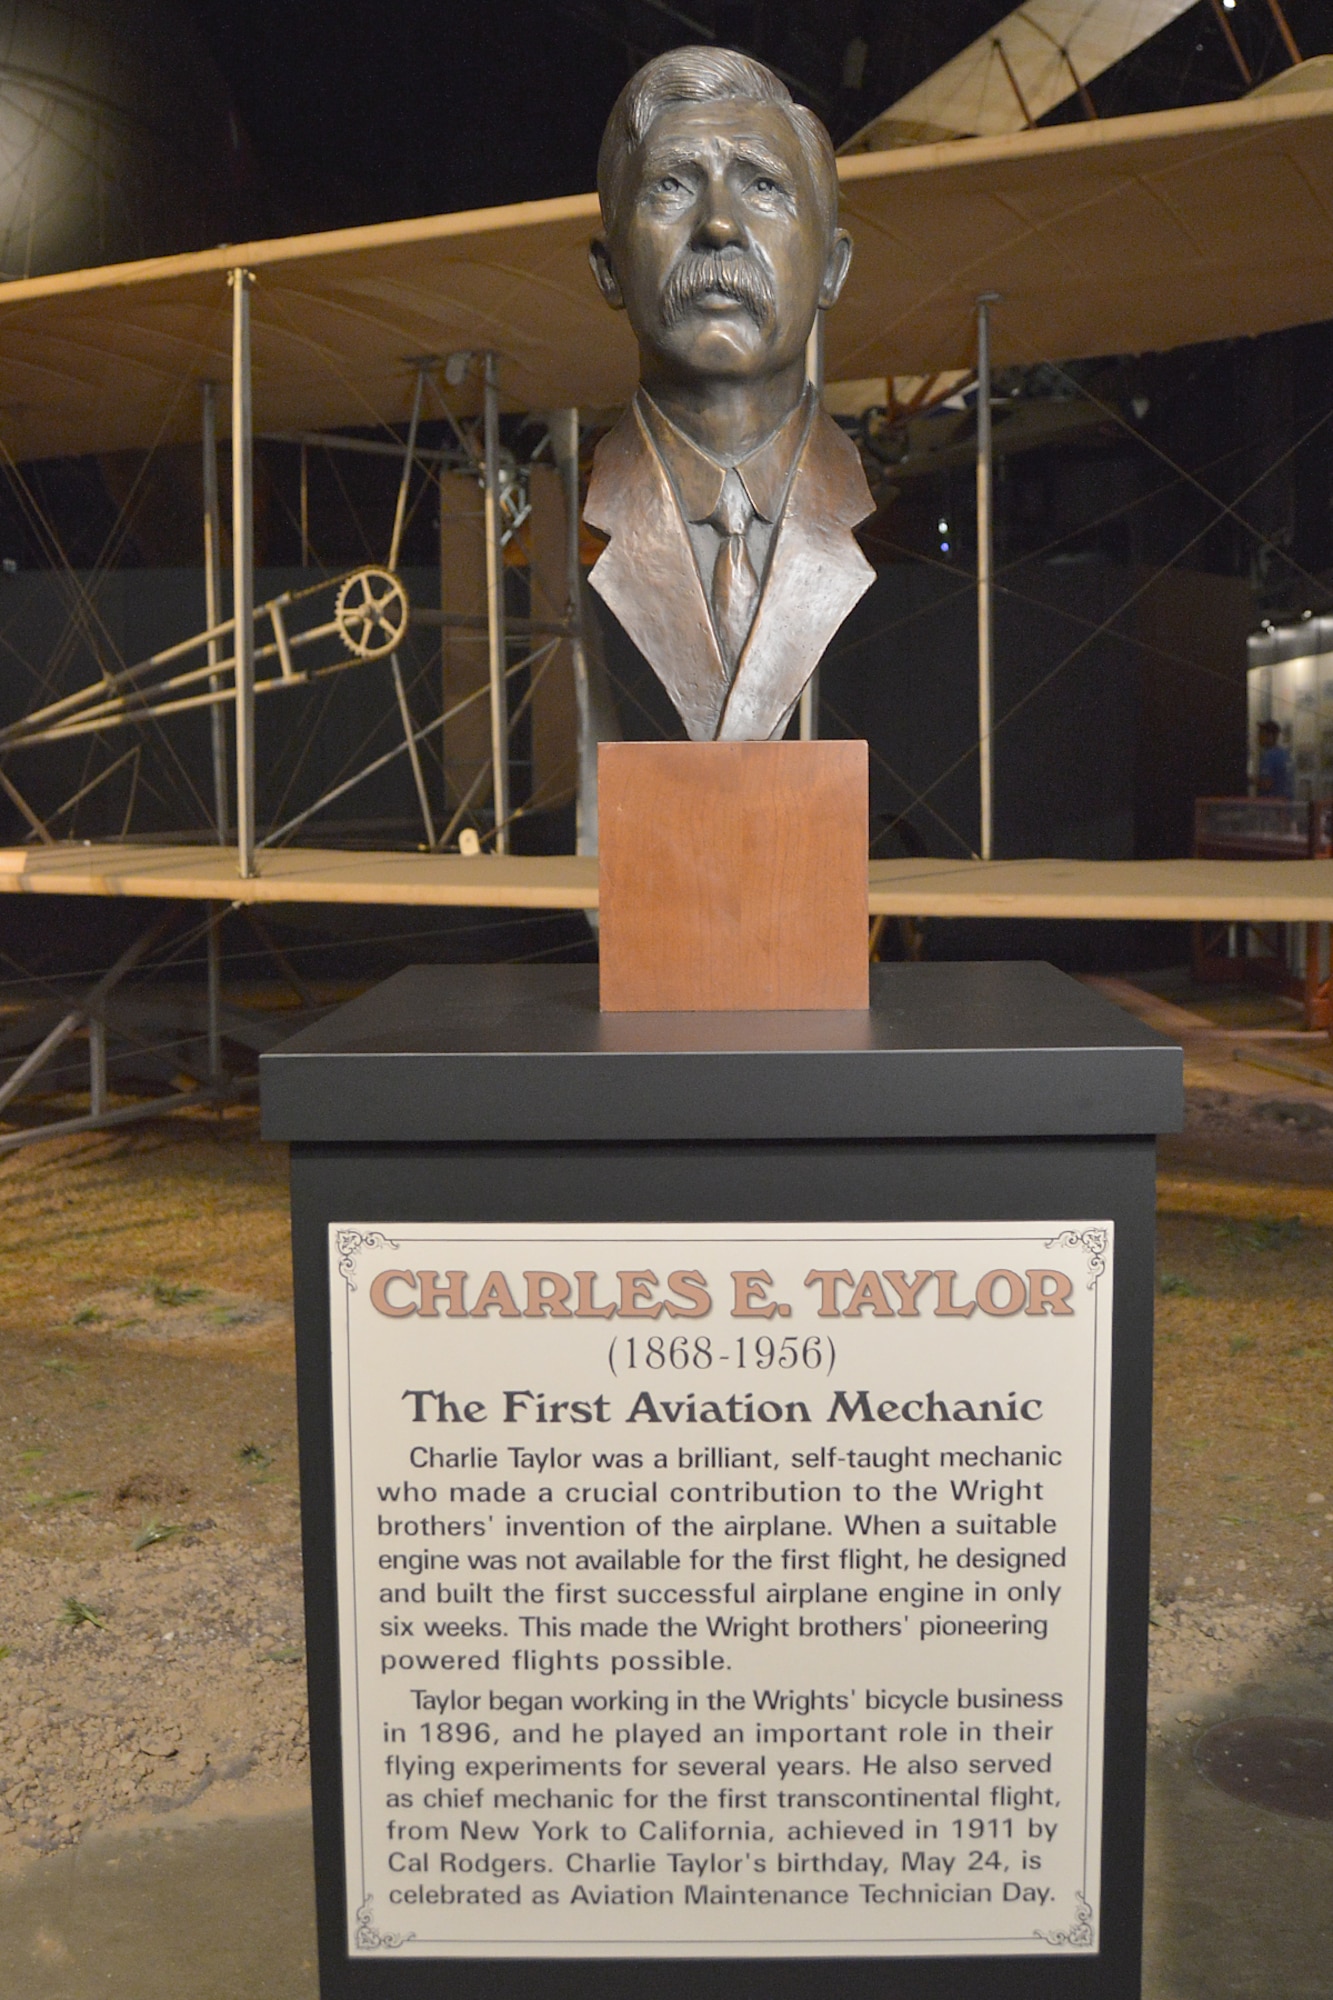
[718,227]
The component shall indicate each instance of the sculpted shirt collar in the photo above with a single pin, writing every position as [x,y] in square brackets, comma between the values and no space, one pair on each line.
[699,477]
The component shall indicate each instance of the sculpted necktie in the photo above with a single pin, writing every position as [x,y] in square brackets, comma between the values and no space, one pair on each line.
[735,585]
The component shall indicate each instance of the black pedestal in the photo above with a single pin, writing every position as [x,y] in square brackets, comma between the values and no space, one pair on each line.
[976,1096]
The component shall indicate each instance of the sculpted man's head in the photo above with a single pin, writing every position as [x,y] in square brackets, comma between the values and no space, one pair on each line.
[720,234]
[726,491]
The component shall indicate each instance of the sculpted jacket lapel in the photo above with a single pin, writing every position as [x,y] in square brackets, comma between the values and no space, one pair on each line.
[816,573]
[649,578]
[648,575]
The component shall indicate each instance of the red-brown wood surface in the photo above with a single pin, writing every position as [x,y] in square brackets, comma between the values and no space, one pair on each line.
[733,875]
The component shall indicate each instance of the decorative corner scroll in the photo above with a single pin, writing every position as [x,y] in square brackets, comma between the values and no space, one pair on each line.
[1080,1933]
[1092,1242]
[368,1938]
[351,1242]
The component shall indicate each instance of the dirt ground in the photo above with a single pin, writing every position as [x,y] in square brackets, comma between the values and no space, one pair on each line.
[150,1620]
[150,1617]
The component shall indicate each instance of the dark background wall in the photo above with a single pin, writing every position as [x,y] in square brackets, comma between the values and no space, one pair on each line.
[1097,756]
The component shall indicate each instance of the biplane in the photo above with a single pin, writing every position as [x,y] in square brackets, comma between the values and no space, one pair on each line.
[1112,236]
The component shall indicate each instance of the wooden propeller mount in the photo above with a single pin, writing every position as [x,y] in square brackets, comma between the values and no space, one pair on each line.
[733,876]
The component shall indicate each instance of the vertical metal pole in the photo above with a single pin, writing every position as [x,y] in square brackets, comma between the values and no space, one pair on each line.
[808,712]
[214,947]
[1246,77]
[497,652]
[96,1066]
[413,750]
[405,480]
[305,506]
[243,565]
[1289,40]
[395,549]
[985,570]
[213,603]
[1014,85]
[1084,94]
[563,428]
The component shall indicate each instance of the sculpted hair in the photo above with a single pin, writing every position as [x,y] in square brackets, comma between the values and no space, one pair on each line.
[705,76]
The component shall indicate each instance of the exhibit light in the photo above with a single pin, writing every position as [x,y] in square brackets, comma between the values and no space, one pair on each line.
[1230,5]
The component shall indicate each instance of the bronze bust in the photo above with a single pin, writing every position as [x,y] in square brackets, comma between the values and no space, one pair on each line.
[728,494]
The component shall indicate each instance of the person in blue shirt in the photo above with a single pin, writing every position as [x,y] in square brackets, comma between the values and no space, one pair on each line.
[1277,775]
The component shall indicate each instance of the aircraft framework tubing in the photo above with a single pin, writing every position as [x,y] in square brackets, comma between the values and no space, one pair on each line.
[222,669]
[371,614]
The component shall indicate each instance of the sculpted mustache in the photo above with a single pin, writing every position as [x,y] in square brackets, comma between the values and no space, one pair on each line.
[734,277]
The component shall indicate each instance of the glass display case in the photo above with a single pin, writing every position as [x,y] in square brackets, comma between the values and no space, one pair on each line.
[1290,682]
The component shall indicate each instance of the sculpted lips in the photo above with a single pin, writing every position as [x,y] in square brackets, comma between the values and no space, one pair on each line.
[700,275]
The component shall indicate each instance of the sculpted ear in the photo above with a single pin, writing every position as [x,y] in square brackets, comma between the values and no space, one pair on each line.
[607,282]
[835,270]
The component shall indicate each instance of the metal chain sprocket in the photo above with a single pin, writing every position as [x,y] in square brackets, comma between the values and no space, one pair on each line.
[372,612]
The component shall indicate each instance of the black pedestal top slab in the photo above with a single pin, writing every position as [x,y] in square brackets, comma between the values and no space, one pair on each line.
[468,1054]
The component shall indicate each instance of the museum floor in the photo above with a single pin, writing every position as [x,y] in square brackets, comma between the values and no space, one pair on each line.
[153,1825]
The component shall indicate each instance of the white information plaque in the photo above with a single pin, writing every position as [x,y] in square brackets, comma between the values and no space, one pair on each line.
[721,1590]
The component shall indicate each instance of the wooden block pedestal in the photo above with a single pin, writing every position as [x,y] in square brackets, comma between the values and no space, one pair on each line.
[733,875]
